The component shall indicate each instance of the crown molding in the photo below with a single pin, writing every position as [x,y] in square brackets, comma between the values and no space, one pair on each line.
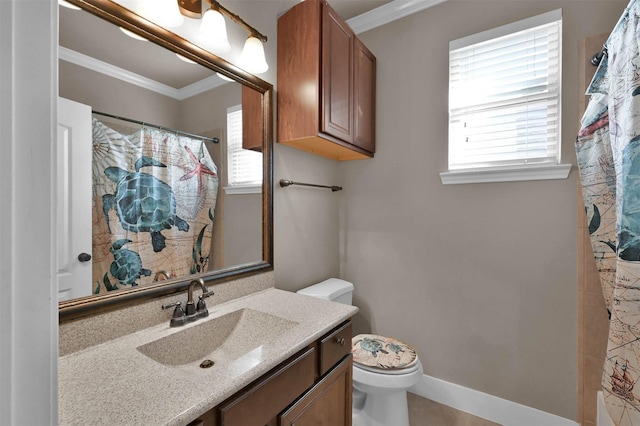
[105,68]
[388,13]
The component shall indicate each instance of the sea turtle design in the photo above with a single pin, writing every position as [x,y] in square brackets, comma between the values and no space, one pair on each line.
[127,265]
[395,348]
[143,202]
[372,345]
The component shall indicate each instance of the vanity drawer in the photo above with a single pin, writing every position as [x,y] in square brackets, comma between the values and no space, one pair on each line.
[334,347]
[263,400]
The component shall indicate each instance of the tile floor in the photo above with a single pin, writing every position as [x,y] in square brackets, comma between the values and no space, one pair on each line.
[424,412]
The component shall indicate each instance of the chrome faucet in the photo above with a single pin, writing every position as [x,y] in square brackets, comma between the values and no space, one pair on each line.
[200,310]
[192,311]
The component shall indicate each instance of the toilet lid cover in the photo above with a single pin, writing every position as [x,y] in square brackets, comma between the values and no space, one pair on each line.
[382,352]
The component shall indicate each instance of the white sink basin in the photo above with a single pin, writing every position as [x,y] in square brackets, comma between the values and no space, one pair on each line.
[223,338]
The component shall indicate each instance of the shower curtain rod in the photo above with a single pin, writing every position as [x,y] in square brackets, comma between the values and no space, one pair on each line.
[286,182]
[155,126]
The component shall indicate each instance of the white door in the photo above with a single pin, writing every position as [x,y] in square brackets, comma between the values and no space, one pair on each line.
[74,200]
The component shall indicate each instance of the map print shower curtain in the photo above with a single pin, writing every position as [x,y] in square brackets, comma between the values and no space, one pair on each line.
[608,151]
[154,197]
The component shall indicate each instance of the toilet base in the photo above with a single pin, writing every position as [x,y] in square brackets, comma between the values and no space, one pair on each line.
[384,409]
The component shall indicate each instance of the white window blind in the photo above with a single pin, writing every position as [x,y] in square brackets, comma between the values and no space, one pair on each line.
[504,95]
[244,166]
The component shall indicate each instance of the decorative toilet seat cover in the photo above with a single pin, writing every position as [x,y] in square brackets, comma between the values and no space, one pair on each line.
[382,352]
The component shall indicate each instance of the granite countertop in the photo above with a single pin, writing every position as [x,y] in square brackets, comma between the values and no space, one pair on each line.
[114,383]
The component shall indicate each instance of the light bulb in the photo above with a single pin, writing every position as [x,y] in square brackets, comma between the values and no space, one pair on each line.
[253,59]
[213,32]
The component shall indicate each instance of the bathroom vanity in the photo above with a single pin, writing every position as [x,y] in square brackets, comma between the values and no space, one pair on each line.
[273,363]
[312,387]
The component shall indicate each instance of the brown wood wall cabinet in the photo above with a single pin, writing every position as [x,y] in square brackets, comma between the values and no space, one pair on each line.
[312,387]
[252,120]
[326,84]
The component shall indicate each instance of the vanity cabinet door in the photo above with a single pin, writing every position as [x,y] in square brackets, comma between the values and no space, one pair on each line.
[328,403]
[261,402]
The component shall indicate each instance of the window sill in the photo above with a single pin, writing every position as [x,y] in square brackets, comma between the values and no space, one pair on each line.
[503,174]
[243,189]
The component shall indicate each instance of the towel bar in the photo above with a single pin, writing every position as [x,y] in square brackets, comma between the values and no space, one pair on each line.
[286,182]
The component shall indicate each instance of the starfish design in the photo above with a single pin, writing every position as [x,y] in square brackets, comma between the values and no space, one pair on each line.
[199,169]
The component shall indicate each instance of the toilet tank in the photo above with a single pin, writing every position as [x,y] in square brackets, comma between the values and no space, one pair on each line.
[333,289]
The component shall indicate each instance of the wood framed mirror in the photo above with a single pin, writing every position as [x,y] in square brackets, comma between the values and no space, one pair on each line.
[255,97]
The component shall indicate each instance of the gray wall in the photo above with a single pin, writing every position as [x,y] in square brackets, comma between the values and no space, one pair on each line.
[481,278]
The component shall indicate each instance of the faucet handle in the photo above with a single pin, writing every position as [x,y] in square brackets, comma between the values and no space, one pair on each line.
[171,305]
[207,294]
[178,318]
[201,307]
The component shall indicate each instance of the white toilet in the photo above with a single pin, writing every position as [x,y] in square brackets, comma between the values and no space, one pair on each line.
[383,368]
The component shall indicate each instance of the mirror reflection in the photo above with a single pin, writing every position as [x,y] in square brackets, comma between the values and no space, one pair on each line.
[172,193]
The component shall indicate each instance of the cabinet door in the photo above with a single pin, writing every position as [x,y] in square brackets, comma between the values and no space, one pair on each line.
[337,76]
[364,97]
[252,122]
[327,404]
[261,402]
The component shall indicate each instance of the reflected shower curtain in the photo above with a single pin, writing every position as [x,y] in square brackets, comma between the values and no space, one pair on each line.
[153,202]
[608,152]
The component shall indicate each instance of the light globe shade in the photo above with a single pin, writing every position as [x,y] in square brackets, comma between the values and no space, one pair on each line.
[253,59]
[212,34]
[165,13]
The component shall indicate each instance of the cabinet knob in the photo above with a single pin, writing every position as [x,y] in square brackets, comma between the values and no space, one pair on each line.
[340,341]
[84,257]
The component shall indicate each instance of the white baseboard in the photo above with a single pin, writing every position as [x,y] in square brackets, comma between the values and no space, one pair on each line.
[486,406]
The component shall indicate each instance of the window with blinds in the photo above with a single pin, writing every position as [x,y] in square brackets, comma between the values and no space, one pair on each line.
[504,96]
[244,167]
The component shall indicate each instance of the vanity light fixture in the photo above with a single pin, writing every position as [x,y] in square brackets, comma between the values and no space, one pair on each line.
[213,33]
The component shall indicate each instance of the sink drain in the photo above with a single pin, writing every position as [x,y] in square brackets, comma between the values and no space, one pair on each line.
[206,363]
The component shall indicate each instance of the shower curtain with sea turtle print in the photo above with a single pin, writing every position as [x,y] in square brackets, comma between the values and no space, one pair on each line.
[608,152]
[153,203]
